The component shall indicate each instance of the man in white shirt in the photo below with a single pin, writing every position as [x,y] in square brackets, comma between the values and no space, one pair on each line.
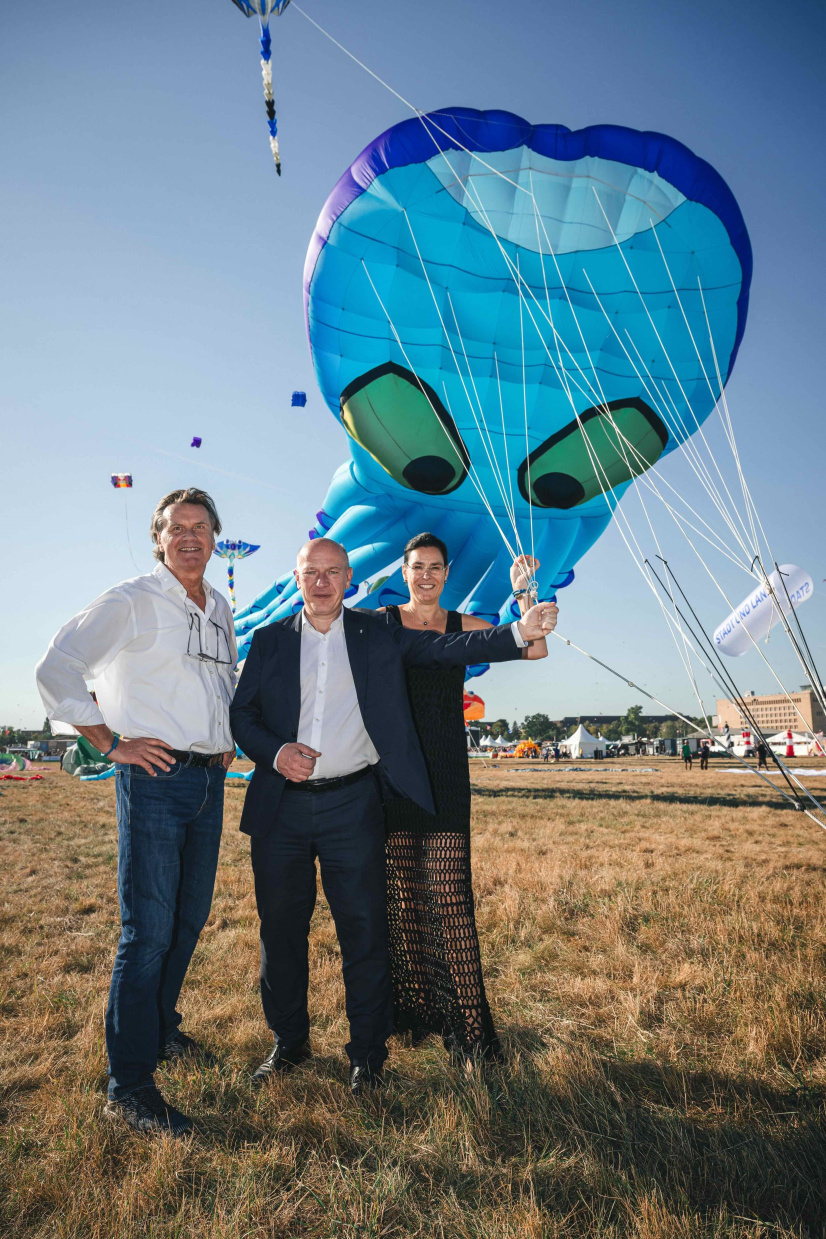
[161,651]
[322,710]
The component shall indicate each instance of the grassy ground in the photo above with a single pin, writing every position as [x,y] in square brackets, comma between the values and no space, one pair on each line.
[655,949]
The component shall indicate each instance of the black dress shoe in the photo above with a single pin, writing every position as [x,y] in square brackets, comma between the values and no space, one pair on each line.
[363,1079]
[283,1058]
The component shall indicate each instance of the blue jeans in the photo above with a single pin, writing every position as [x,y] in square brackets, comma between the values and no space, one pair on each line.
[169,833]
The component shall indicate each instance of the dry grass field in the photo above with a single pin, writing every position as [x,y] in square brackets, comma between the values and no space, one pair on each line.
[655,950]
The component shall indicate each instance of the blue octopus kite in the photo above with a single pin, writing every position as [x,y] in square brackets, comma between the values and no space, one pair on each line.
[511,322]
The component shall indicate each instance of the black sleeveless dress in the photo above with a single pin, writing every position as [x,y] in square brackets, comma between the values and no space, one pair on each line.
[434,947]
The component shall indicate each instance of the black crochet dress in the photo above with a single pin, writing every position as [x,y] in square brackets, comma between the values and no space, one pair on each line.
[434,948]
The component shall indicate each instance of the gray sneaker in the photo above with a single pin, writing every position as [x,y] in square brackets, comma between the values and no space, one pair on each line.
[145,1110]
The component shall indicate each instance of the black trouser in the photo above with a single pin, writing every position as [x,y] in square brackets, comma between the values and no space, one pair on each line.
[344,828]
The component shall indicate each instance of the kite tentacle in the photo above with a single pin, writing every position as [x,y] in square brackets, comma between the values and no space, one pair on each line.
[269,98]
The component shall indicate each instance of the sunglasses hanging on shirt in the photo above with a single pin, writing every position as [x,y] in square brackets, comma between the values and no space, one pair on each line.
[208,642]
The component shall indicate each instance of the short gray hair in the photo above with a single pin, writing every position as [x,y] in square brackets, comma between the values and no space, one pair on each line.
[192,494]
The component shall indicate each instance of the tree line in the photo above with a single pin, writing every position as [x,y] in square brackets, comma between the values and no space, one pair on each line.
[21,735]
[543,727]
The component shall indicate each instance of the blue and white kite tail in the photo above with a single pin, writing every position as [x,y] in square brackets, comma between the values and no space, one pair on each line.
[269,99]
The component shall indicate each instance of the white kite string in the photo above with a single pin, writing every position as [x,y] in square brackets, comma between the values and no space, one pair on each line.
[128,539]
[673,622]
[498,173]
[458,369]
[596,464]
[469,465]
[699,730]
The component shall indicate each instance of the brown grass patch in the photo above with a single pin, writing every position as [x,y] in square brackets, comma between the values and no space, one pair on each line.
[654,951]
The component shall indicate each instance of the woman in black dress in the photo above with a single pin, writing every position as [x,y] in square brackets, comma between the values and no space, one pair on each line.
[434,948]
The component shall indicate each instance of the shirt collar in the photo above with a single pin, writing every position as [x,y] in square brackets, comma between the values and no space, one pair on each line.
[168,581]
[336,625]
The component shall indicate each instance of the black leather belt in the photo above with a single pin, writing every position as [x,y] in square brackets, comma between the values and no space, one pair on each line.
[330,785]
[196,759]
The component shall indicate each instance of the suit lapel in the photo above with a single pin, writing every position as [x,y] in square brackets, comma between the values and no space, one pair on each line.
[291,668]
[356,636]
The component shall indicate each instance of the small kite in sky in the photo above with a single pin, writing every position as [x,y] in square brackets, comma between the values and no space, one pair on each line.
[121,480]
[196,441]
[299,400]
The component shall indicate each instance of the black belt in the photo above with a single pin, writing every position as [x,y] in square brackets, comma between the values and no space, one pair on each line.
[196,759]
[330,785]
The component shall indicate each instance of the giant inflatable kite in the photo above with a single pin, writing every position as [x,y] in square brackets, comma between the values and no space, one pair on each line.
[511,322]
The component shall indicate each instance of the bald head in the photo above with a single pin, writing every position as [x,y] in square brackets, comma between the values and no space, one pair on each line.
[322,548]
[323,574]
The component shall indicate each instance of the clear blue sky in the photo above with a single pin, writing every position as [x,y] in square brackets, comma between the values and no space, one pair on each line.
[152,279]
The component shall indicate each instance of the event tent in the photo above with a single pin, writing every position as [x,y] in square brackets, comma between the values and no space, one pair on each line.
[803,745]
[582,743]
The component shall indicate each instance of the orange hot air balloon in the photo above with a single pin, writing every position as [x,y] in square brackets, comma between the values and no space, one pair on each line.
[474,707]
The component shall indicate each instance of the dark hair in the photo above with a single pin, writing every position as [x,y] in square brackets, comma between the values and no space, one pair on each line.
[192,494]
[426,539]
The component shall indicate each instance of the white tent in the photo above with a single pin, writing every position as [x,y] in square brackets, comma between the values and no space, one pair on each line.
[582,743]
[802,744]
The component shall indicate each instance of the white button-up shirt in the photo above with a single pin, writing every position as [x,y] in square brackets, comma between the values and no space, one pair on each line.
[330,720]
[139,642]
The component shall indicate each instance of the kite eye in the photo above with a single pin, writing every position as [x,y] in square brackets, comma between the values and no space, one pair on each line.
[402,423]
[604,447]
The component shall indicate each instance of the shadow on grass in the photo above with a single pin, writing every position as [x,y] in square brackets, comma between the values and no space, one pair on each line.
[586,1135]
[703,1143]
[586,1131]
[716,801]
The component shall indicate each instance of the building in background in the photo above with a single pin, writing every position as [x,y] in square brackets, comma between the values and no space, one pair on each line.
[774,712]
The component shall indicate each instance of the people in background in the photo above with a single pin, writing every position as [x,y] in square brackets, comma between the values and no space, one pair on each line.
[686,754]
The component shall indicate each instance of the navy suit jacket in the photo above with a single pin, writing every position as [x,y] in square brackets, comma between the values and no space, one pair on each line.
[265,711]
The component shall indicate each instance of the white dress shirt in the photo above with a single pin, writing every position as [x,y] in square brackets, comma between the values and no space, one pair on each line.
[330,719]
[133,642]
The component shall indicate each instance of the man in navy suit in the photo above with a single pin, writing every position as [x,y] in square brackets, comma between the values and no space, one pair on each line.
[322,710]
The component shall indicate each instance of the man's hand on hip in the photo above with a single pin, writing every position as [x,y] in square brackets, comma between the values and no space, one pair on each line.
[539,621]
[228,758]
[296,762]
[147,753]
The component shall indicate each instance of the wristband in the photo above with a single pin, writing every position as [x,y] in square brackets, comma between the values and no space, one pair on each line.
[114,746]
[530,589]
